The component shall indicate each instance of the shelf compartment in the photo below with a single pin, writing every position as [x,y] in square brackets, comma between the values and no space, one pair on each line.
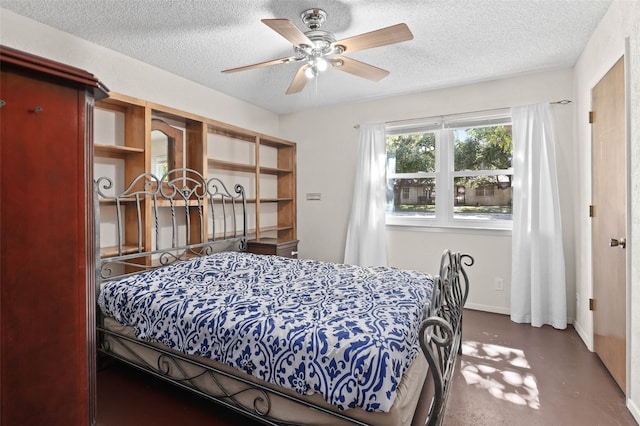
[229,165]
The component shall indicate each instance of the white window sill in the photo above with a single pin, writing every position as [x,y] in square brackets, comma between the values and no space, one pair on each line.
[462,227]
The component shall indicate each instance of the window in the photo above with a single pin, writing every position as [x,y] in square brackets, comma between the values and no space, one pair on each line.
[450,173]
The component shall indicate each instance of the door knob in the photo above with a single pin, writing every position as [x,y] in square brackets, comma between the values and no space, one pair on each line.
[622,243]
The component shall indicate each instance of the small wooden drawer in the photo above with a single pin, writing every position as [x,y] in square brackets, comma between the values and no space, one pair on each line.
[274,247]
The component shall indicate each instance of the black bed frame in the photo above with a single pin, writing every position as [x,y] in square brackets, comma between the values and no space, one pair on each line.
[188,195]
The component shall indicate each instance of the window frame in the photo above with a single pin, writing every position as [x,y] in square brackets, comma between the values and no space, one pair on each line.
[445,194]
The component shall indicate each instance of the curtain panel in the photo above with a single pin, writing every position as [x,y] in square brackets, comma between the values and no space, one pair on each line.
[538,281]
[366,234]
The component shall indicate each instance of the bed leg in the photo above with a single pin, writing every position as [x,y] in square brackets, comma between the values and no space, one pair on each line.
[460,341]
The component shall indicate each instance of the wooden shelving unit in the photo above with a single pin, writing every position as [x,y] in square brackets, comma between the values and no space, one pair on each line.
[129,145]
[120,151]
[269,165]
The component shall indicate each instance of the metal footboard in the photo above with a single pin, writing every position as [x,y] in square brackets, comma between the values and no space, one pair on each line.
[441,334]
[249,398]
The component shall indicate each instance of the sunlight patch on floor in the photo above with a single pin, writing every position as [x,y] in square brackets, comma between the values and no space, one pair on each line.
[502,371]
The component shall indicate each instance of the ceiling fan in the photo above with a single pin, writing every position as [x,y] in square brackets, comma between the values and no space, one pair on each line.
[318,49]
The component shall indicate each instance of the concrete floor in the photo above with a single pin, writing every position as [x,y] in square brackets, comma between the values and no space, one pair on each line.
[515,374]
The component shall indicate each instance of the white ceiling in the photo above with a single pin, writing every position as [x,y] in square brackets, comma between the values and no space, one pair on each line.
[455,41]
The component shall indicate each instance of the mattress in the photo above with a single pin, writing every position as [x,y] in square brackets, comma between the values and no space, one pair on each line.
[346,333]
[280,408]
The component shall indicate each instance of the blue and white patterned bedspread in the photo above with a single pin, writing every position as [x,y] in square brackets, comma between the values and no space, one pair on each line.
[344,331]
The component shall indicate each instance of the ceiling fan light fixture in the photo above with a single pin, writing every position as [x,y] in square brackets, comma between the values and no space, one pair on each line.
[321,64]
[337,63]
[316,66]
[311,72]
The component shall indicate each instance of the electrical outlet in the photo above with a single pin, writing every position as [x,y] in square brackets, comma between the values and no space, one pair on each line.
[499,284]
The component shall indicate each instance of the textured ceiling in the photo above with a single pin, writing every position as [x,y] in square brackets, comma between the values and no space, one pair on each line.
[455,41]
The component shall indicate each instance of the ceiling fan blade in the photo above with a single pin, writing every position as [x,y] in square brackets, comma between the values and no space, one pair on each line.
[286,29]
[382,37]
[263,64]
[298,82]
[358,68]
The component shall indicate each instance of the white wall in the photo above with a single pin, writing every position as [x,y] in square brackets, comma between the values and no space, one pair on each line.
[411,249]
[605,47]
[327,144]
[131,77]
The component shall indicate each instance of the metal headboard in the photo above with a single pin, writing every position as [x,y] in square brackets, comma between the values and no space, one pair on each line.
[178,202]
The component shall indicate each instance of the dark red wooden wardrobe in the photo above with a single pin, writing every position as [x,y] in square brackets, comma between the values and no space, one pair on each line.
[47,352]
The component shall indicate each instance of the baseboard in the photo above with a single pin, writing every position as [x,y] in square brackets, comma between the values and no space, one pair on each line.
[588,340]
[488,308]
[634,410]
[497,310]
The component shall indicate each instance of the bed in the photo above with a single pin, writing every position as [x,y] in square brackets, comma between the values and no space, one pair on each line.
[282,341]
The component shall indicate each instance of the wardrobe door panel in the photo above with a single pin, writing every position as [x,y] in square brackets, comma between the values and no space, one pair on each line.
[45,244]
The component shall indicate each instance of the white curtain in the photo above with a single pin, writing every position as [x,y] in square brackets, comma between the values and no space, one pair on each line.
[538,283]
[366,238]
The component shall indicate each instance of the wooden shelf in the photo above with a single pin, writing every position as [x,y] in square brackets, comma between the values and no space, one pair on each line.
[223,129]
[275,200]
[265,229]
[118,101]
[219,235]
[107,202]
[228,165]
[115,151]
[276,142]
[112,251]
[251,233]
[177,203]
[274,171]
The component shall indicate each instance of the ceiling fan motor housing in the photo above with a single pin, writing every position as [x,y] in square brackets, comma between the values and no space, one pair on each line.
[323,41]
[314,18]
[322,45]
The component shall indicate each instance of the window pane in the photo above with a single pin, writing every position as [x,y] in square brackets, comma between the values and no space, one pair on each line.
[411,197]
[411,153]
[483,148]
[475,163]
[483,198]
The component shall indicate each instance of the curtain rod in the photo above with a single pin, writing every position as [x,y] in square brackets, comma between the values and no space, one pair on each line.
[560,102]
